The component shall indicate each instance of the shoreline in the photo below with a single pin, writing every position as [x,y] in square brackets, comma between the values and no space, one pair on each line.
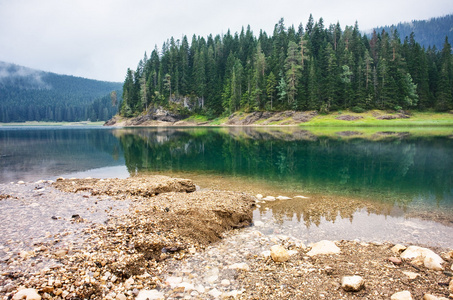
[110,263]
[374,118]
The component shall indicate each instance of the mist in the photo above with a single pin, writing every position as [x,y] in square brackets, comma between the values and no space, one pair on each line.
[22,77]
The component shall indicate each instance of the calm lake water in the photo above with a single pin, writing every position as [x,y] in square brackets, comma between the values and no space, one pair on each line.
[373,184]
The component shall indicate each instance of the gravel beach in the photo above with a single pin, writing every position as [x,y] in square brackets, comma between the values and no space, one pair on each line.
[156,237]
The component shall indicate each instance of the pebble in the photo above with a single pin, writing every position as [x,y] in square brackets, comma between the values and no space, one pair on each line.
[215,293]
[324,247]
[398,248]
[149,295]
[225,282]
[27,294]
[352,283]
[279,254]
[395,260]
[411,275]
[432,297]
[240,266]
[404,295]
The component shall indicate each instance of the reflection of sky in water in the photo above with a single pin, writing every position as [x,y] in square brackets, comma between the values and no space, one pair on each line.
[363,226]
[107,172]
[30,154]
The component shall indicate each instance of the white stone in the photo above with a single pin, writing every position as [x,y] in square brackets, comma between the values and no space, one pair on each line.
[432,297]
[240,266]
[430,259]
[398,248]
[187,286]
[324,247]
[352,283]
[149,295]
[279,254]
[212,275]
[173,281]
[121,297]
[292,252]
[283,198]
[215,293]
[201,289]
[258,223]
[20,182]
[404,295]
[259,196]
[411,275]
[269,198]
[266,253]
[302,197]
[128,283]
[27,294]
[432,264]
[225,282]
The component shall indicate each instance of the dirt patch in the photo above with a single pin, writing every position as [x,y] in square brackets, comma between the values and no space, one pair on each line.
[348,118]
[303,117]
[348,133]
[146,186]
[392,117]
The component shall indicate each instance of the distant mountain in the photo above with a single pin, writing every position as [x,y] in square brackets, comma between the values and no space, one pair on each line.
[430,32]
[32,95]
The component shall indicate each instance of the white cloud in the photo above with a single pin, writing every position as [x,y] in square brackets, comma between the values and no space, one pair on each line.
[101,38]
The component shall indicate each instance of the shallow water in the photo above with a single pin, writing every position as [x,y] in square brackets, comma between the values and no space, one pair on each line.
[388,186]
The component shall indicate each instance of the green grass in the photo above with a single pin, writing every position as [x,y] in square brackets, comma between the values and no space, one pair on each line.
[197,118]
[417,119]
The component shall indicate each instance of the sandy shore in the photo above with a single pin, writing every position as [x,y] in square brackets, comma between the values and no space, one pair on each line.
[157,237]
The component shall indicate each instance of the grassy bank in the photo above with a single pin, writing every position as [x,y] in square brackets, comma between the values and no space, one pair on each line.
[370,119]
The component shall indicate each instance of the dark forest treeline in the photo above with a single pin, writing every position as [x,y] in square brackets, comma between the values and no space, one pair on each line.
[315,67]
[430,32]
[31,95]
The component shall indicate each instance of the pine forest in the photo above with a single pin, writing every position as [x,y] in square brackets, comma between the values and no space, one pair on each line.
[311,67]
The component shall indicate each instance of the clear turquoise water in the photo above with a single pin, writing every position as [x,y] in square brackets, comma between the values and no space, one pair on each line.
[398,173]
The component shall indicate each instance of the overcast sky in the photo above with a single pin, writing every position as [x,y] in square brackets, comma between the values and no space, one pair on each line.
[100,39]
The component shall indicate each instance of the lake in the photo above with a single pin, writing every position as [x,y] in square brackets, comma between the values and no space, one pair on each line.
[370,184]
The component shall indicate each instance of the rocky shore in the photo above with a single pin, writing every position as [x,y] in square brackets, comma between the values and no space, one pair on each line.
[157,237]
[162,117]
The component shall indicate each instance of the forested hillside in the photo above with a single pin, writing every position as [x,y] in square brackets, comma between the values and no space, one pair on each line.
[31,95]
[311,67]
[427,33]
